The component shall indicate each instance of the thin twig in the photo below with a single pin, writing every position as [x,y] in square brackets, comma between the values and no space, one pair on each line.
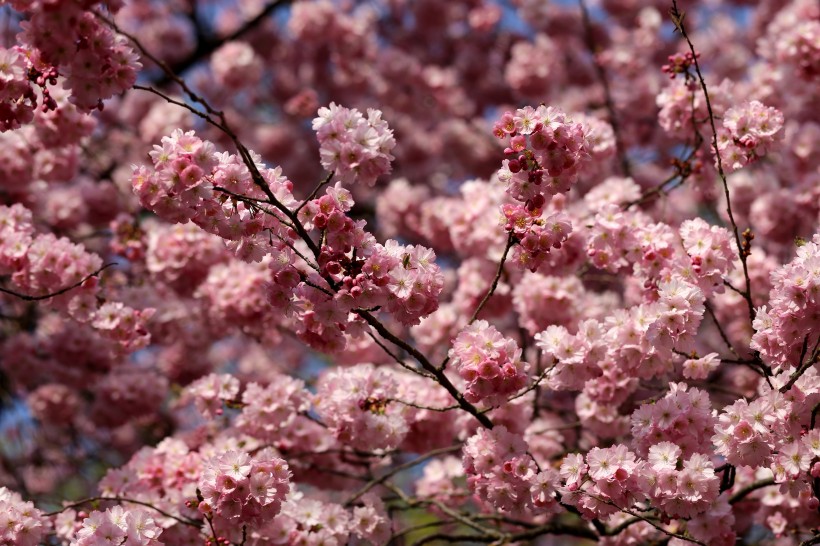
[312,195]
[395,470]
[60,292]
[677,19]
[442,379]
[723,335]
[427,408]
[494,285]
[399,361]
[744,492]
[205,48]
[802,367]
[186,521]
[602,78]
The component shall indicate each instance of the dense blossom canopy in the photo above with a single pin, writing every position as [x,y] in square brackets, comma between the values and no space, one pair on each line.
[327,273]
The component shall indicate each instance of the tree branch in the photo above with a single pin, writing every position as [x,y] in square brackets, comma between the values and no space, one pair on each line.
[602,78]
[677,19]
[58,292]
[395,470]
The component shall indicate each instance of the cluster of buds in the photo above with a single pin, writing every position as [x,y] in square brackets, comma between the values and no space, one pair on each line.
[679,63]
[537,234]
[41,77]
[746,243]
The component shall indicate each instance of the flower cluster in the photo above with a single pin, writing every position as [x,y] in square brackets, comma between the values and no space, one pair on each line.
[240,488]
[42,264]
[534,67]
[127,393]
[472,221]
[404,278]
[572,359]
[355,147]
[607,480]
[748,132]
[793,313]
[428,427]
[679,63]
[132,527]
[537,234]
[680,488]
[716,525]
[768,429]
[356,404]
[97,63]
[700,368]
[268,410]
[236,65]
[792,40]
[712,250]
[542,301]
[490,363]
[644,338]
[191,181]
[17,97]
[122,323]
[21,523]
[683,417]
[614,240]
[439,481]
[181,255]
[371,522]
[53,403]
[547,149]
[501,473]
[309,521]
[234,293]
[209,393]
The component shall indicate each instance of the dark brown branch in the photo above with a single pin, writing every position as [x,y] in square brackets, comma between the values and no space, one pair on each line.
[181,104]
[259,181]
[399,361]
[206,47]
[442,379]
[744,492]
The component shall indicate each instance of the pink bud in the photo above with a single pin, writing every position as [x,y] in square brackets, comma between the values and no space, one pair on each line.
[334,268]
